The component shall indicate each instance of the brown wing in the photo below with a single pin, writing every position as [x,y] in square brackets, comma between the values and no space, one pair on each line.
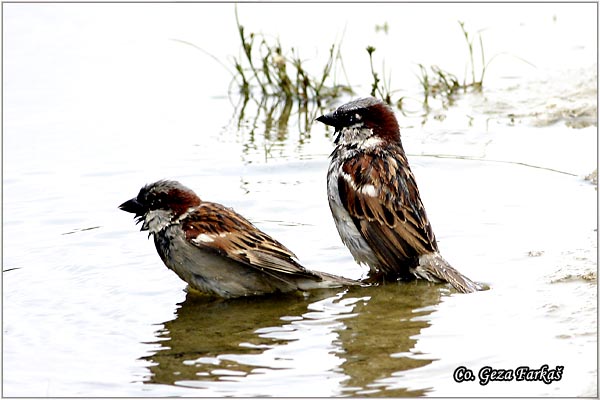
[379,192]
[216,228]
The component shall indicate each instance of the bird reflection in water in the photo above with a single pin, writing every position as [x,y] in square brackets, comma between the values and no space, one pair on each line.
[324,343]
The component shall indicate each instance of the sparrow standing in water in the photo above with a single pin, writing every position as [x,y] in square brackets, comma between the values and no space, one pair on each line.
[217,251]
[375,201]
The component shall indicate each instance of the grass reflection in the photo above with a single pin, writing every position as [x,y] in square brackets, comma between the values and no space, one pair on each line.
[272,115]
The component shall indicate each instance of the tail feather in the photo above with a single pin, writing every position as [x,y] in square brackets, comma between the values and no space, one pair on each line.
[326,280]
[433,267]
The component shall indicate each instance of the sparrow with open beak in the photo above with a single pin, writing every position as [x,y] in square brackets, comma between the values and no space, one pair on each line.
[375,201]
[217,251]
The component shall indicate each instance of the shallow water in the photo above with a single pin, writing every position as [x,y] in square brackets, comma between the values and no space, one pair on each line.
[91,114]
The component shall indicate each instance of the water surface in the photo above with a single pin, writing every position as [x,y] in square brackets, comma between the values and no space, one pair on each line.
[99,100]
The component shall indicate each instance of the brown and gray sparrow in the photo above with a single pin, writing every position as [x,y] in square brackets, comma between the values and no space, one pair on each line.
[375,201]
[217,251]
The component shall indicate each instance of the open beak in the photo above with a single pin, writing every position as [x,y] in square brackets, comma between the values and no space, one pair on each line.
[327,119]
[132,206]
[331,120]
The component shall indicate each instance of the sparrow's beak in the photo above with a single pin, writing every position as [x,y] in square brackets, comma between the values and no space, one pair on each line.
[132,206]
[331,120]
[327,119]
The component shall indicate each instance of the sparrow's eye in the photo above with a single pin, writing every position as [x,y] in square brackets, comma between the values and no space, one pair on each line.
[158,202]
[152,200]
[355,118]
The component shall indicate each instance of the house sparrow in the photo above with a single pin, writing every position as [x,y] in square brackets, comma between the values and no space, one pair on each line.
[217,251]
[375,201]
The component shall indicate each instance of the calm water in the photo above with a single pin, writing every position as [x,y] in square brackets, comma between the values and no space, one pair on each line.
[99,100]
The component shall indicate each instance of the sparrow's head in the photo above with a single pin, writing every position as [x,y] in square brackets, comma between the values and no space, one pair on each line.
[361,119]
[163,199]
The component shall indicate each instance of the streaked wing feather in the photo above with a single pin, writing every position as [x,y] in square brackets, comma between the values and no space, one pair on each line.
[381,196]
[221,230]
